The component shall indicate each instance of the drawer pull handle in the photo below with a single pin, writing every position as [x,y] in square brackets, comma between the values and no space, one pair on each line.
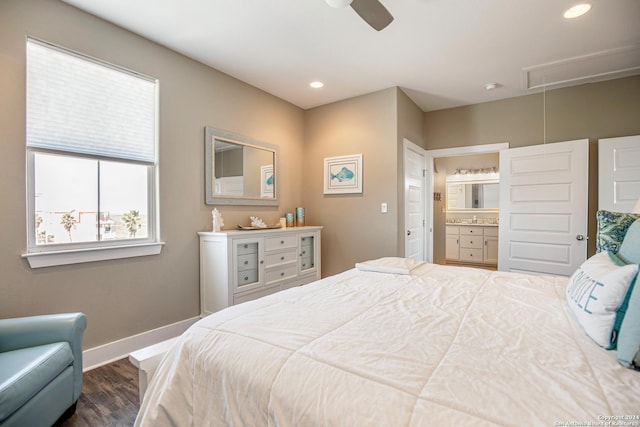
[281,258]
[246,246]
[246,262]
[246,277]
[282,274]
[282,242]
[471,242]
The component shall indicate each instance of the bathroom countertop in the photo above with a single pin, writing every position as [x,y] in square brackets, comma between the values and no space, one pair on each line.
[475,224]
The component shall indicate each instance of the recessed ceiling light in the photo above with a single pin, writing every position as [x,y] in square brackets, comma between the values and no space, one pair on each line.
[577,10]
[316,85]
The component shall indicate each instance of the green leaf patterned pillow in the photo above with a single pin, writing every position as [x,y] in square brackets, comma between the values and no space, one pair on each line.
[612,227]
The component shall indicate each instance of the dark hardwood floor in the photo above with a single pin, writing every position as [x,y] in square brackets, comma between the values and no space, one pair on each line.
[109,397]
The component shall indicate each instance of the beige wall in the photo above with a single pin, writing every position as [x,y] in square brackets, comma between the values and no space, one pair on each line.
[592,111]
[354,229]
[126,297]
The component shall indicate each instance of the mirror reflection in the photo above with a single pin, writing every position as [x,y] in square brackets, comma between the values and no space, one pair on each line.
[476,195]
[240,170]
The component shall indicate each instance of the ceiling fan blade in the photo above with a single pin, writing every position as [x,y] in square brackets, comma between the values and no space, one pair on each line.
[373,12]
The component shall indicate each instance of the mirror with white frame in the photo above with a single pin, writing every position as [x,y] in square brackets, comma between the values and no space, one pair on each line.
[240,170]
[473,193]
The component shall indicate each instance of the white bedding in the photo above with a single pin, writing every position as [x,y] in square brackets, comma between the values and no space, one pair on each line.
[441,346]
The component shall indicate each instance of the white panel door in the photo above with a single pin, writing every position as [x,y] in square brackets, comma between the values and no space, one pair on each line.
[619,174]
[414,202]
[543,208]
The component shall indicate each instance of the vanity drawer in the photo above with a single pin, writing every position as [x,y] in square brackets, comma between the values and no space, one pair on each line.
[282,242]
[452,229]
[491,232]
[474,255]
[471,231]
[282,257]
[473,242]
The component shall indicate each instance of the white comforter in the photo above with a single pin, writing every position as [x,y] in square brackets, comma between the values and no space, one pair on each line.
[441,346]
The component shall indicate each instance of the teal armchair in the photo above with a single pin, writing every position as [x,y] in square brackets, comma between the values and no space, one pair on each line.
[40,368]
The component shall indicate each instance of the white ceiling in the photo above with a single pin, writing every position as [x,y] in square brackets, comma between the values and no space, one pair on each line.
[440,52]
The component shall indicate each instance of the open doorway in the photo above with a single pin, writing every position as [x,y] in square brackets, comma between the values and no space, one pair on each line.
[446,161]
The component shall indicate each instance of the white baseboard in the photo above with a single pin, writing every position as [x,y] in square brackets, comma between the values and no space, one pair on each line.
[116,350]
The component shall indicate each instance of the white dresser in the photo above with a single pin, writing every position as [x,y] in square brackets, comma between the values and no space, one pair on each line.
[238,266]
[477,244]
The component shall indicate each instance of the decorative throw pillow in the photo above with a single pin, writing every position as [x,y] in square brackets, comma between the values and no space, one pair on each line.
[612,227]
[629,337]
[594,293]
[628,353]
[630,248]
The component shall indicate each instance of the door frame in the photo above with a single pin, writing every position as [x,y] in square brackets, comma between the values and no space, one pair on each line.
[452,152]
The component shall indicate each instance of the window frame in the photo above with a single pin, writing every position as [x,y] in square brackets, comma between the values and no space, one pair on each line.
[47,255]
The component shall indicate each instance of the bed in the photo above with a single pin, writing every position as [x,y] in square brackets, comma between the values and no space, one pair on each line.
[396,342]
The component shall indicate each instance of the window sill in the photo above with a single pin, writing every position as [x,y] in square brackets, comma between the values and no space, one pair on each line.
[50,259]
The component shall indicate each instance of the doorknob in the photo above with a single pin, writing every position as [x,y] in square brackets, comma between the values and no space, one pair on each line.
[580,237]
[408,232]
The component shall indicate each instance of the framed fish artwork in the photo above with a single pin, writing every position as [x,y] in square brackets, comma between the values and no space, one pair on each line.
[343,174]
[266,181]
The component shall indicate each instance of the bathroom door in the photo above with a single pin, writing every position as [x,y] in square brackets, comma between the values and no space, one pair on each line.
[415,192]
[543,208]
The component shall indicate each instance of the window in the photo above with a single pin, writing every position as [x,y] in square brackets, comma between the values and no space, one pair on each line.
[91,159]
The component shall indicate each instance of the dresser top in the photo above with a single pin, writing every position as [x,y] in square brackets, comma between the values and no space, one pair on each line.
[249,233]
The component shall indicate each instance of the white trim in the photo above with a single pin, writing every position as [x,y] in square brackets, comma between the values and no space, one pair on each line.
[49,259]
[116,350]
[469,149]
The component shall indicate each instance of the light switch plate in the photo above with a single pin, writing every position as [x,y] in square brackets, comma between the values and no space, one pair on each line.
[383,207]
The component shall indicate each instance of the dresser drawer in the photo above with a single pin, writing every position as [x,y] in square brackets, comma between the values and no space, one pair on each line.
[471,231]
[238,299]
[467,254]
[248,261]
[282,242]
[306,262]
[473,242]
[282,273]
[247,248]
[246,277]
[282,257]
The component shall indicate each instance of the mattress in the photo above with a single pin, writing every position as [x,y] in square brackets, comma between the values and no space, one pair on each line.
[442,345]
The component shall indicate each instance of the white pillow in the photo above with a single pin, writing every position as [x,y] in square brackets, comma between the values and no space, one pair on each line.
[595,291]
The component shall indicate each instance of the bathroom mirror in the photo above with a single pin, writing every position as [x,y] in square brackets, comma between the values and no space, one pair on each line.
[240,170]
[474,195]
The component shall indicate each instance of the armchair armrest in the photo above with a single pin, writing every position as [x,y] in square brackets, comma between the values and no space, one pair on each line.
[23,332]
[32,331]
